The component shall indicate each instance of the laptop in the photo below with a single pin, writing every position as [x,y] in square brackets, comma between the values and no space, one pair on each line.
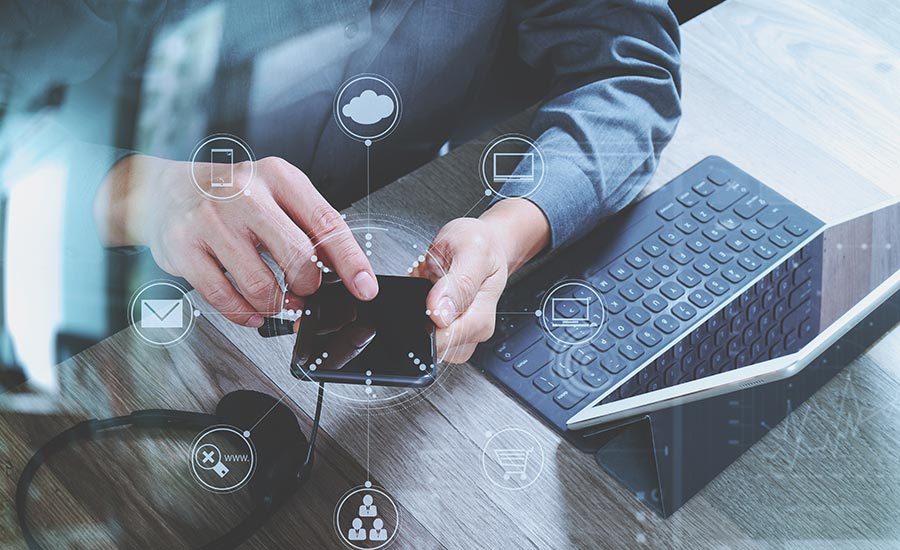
[712,284]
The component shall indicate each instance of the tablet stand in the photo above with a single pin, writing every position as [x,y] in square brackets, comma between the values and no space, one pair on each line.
[667,456]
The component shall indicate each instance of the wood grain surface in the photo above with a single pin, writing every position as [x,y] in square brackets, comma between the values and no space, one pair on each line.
[804,95]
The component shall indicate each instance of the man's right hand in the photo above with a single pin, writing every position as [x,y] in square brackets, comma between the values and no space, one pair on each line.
[150,201]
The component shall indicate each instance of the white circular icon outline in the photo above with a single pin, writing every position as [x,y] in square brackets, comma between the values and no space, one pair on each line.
[486,181]
[247,151]
[336,107]
[195,448]
[485,459]
[337,517]
[192,314]
[547,301]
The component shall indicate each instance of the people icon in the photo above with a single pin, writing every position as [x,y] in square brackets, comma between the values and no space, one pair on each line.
[368,508]
[378,532]
[358,532]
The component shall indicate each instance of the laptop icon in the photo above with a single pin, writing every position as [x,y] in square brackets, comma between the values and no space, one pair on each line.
[513,167]
[571,312]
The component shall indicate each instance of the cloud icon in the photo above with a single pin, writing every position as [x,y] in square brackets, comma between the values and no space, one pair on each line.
[368,108]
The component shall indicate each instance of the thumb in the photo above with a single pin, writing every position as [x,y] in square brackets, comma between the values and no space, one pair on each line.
[454,292]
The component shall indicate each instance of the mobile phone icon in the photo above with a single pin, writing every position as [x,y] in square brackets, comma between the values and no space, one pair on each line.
[221,167]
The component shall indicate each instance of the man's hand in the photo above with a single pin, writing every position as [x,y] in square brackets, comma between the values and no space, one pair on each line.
[150,201]
[469,262]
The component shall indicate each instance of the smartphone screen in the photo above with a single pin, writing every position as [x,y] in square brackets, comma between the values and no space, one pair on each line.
[391,337]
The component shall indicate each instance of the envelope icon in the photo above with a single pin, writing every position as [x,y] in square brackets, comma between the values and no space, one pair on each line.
[162,314]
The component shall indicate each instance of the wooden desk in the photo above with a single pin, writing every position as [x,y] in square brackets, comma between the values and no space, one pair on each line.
[805,95]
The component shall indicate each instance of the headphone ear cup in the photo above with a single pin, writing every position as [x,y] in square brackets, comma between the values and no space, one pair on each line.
[280,444]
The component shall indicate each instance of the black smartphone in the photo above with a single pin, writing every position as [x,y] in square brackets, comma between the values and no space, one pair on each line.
[389,340]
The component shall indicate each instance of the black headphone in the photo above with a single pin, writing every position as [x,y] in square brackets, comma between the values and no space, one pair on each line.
[284,455]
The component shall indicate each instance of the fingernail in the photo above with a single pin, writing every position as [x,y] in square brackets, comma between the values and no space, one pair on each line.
[255,321]
[446,311]
[365,285]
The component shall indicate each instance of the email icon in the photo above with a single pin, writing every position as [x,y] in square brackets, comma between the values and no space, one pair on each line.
[162,314]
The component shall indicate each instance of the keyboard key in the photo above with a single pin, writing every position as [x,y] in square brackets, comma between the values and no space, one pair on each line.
[620,272]
[615,304]
[718,176]
[780,239]
[713,233]
[602,343]
[655,303]
[684,311]
[613,364]
[686,225]
[748,208]
[698,245]
[671,291]
[772,217]
[704,189]
[578,333]
[620,329]
[649,337]
[705,267]
[670,237]
[584,356]
[725,197]
[546,382]
[752,232]
[681,256]
[738,244]
[689,279]
[567,308]
[631,292]
[671,376]
[631,350]
[594,377]
[665,268]
[670,211]
[801,293]
[730,222]
[666,323]
[703,215]
[637,316]
[688,199]
[603,284]
[803,272]
[531,362]
[795,229]
[717,286]
[764,251]
[721,255]
[749,263]
[564,370]
[518,343]
[557,346]
[568,398]
[648,280]
[636,260]
[700,298]
[653,249]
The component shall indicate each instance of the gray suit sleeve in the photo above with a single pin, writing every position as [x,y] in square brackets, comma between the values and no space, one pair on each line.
[615,104]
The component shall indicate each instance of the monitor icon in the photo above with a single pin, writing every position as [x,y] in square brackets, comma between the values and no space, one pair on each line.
[571,312]
[513,167]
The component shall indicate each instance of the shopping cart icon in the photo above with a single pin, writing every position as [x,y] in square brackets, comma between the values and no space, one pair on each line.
[514,462]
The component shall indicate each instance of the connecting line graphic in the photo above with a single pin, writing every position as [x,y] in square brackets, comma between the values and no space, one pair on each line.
[368,432]
[283,395]
[368,187]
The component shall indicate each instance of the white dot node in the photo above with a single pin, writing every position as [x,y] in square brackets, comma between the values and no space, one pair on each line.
[415,246]
[326,270]
[865,246]
[368,244]
[368,142]
[422,367]
[415,264]
[368,484]
[487,192]
[416,361]
[314,258]
[409,270]
[888,246]
[308,312]
[325,355]
[411,355]
[196,313]
[421,258]
[319,361]
[840,246]
[368,381]
[368,252]
[368,236]
[368,390]
[368,373]
[432,366]
[312,367]
[246,192]
[427,312]
[320,265]
[538,313]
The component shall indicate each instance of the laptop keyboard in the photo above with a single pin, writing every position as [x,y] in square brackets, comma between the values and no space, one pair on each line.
[713,231]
